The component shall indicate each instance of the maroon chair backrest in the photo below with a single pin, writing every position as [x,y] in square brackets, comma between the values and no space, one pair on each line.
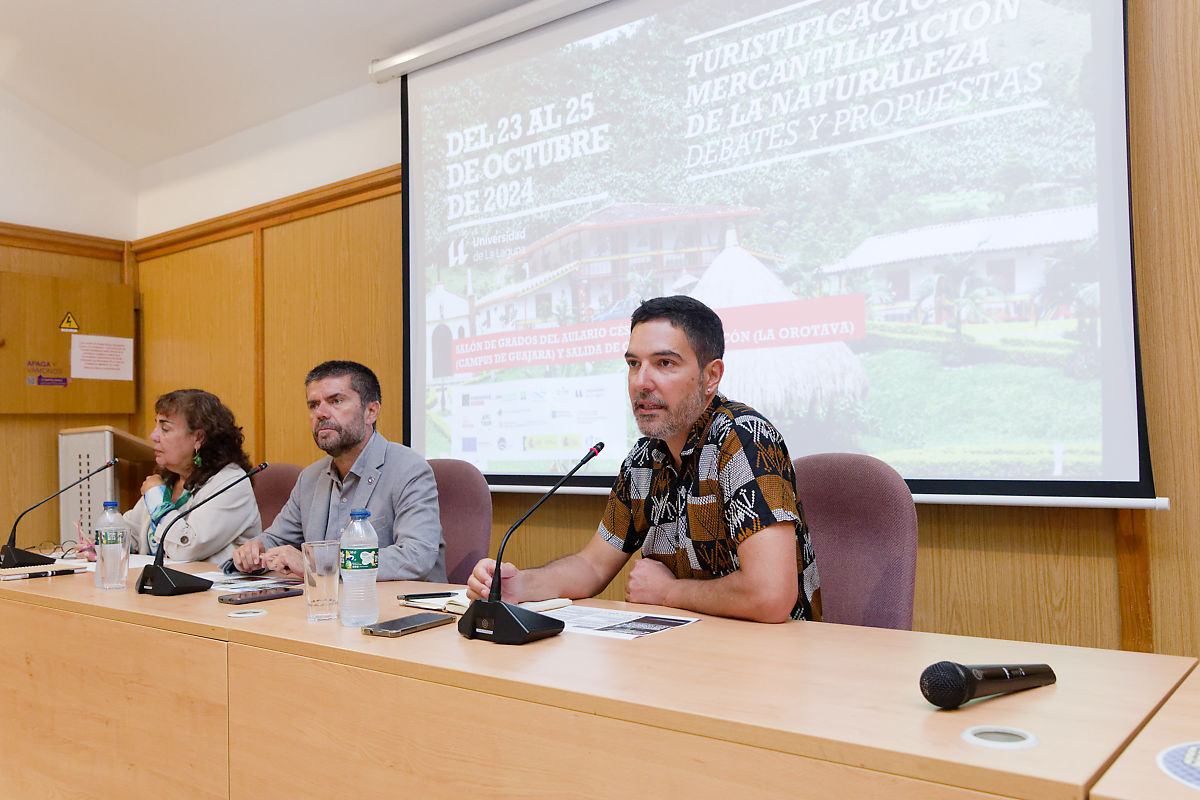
[863,524]
[272,487]
[466,510]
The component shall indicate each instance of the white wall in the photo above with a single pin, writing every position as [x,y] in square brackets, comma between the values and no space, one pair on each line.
[339,138]
[51,177]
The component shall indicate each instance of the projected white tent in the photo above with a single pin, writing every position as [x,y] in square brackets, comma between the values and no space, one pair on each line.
[796,376]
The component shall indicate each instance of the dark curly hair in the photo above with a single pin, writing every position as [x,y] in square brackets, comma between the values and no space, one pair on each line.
[223,439]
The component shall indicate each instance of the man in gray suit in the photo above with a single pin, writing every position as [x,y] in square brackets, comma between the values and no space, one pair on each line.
[362,470]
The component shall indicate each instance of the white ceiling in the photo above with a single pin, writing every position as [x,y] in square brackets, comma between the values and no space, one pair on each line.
[151,79]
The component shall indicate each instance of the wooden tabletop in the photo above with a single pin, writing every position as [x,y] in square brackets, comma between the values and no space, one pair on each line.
[1173,733]
[837,693]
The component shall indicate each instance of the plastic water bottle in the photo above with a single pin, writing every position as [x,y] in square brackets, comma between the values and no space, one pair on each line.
[112,548]
[359,603]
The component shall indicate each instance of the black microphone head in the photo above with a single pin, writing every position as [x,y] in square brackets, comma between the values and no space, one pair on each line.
[260,467]
[946,684]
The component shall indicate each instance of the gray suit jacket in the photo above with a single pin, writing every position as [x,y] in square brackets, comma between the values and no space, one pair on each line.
[398,488]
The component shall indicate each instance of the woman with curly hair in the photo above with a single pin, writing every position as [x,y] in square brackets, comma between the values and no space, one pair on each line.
[198,449]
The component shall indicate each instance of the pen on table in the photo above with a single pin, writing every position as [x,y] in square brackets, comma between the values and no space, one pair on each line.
[426,595]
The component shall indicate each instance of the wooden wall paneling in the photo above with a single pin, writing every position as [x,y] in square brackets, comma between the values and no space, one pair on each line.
[260,403]
[198,329]
[378,183]
[1164,126]
[1031,574]
[331,290]
[32,309]
[30,454]
[129,265]
[61,250]
[129,276]
[1133,581]
[59,265]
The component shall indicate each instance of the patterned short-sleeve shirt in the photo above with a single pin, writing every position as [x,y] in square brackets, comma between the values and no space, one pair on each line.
[735,478]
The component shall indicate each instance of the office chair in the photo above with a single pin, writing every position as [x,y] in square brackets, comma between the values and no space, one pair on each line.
[466,511]
[272,487]
[863,524]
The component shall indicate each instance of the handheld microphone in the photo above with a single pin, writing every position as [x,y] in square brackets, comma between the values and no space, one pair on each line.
[10,556]
[949,685]
[159,580]
[504,623]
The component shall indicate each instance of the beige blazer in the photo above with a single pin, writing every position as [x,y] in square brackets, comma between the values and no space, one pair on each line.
[213,532]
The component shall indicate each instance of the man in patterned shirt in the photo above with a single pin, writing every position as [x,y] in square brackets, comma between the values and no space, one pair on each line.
[708,495]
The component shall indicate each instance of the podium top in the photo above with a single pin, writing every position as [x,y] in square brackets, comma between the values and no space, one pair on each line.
[125,444]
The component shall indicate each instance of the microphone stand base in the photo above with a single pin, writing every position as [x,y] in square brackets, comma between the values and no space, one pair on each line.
[504,623]
[13,557]
[159,580]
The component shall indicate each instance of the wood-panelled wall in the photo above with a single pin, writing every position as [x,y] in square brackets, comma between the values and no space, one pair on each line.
[1164,64]
[332,290]
[245,304]
[29,457]
[198,326]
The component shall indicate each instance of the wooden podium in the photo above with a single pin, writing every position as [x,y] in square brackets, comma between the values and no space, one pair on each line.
[81,450]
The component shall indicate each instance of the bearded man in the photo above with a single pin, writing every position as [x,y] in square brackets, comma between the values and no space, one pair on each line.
[362,470]
[708,494]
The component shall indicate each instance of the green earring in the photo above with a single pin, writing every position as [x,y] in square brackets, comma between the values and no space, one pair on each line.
[196,459]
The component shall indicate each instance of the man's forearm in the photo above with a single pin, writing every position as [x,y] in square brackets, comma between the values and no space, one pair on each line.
[583,574]
[734,595]
[570,576]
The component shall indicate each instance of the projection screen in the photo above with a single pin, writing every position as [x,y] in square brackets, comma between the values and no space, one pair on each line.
[911,215]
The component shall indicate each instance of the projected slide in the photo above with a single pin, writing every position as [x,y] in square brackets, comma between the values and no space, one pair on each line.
[910,214]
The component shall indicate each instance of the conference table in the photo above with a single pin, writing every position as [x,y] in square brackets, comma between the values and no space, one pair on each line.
[112,693]
[1173,733]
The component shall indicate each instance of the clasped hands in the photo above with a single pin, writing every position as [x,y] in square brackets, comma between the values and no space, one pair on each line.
[649,582]
[253,556]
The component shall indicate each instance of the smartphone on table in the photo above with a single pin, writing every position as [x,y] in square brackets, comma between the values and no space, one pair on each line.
[258,595]
[405,625]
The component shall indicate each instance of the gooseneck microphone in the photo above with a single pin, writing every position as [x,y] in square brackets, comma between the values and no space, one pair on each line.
[949,685]
[159,580]
[10,556]
[504,623]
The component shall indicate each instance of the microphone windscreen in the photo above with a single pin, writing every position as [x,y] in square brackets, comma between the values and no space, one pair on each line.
[945,684]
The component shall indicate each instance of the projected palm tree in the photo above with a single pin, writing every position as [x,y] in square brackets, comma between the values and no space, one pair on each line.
[1070,283]
[958,291]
